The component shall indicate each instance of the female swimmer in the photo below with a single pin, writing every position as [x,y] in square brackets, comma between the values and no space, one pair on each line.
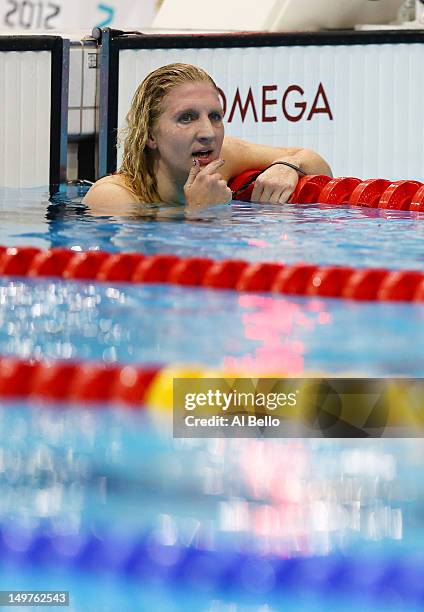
[175,150]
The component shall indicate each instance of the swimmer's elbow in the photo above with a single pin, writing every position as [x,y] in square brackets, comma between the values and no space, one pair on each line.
[314,163]
[326,170]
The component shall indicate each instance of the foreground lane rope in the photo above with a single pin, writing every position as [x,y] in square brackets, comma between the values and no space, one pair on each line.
[294,279]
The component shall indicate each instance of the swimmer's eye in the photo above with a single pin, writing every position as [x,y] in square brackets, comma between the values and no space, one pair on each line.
[186,117]
[216,117]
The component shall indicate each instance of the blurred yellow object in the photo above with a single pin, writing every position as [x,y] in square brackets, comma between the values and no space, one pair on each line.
[160,393]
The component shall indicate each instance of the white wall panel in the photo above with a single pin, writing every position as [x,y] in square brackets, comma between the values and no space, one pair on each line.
[82,89]
[25,89]
[374,92]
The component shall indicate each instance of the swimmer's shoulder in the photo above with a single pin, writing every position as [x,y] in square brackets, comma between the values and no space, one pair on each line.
[110,195]
[233,151]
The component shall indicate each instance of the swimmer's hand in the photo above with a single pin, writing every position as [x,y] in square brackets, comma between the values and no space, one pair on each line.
[276,184]
[205,186]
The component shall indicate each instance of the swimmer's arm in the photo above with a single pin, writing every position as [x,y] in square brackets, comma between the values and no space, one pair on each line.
[240,155]
[110,199]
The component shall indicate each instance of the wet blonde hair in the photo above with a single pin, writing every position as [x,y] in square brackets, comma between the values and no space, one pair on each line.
[137,163]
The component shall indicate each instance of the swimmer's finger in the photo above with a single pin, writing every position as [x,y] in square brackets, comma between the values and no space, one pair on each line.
[285,196]
[213,166]
[257,192]
[270,192]
[270,195]
[194,171]
[277,196]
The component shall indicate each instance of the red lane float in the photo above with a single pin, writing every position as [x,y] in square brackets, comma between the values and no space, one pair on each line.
[119,267]
[294,279]
[224,274]
[85,265]
[400,285]
[15,262]
[328,281]
[417,202]
[16,377]
[258,277]
[52,262]
[398,195]
[154,269]
[82,383]
[364,284]
[190,271]
[338,190]
[368,193]
[419,292]
[308,189]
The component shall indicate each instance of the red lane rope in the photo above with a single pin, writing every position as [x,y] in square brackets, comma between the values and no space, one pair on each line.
[296,279]
[372,193]
[76,382]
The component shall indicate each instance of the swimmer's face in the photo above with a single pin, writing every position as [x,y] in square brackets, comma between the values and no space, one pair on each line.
[189,126]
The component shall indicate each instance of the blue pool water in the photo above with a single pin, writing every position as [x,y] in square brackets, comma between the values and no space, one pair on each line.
[106,505]
[161,324]
[312,233]
[351,509]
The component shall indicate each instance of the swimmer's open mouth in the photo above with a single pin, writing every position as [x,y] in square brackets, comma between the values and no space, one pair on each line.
[203,154]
